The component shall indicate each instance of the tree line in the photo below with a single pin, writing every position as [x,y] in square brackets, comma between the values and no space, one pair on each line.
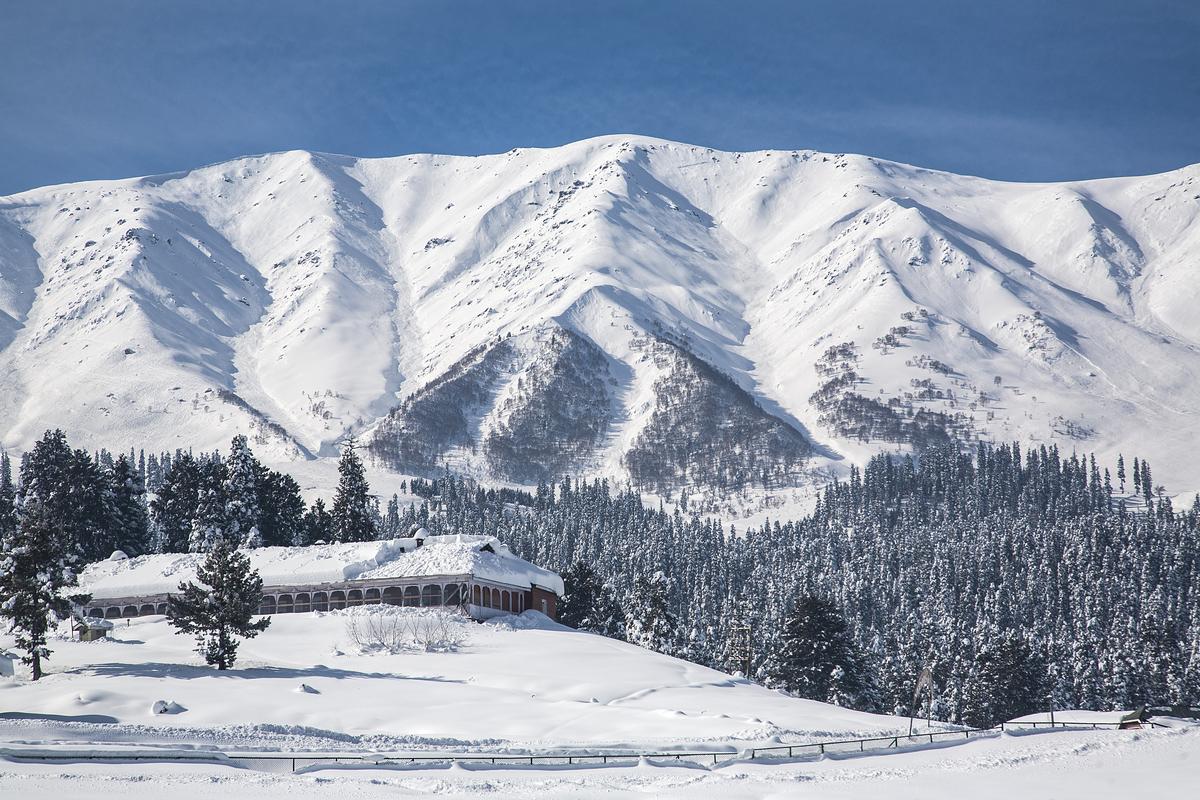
[1021,579]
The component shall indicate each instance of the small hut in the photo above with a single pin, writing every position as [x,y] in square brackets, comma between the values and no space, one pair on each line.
[90,629]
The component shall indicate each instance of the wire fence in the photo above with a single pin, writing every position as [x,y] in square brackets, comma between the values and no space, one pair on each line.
[298,762]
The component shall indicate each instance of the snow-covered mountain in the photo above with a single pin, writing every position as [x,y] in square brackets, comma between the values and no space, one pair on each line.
[622,306]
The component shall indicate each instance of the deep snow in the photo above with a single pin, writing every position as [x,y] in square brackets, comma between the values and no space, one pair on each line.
[517,682]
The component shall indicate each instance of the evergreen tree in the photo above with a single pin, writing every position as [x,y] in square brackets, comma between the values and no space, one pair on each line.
[318,523]
[8,497]
[173,510]
[281,510]
[817,658]
[1007,681]
[36,567]
[580,605]
[241,515]
[219,609]
[649,621]
[128,521]
[210,523]
[353,514]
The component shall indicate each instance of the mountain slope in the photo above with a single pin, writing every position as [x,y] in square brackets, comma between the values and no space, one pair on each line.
[621,306]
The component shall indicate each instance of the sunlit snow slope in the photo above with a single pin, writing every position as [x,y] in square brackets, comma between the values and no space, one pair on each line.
[621,306]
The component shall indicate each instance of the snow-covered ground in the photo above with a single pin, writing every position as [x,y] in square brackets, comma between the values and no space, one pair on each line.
[1091,765]
[516,683]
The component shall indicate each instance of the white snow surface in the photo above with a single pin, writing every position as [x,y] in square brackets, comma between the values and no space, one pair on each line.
[520,682]
[321,289]
[1065,765]
[327,563]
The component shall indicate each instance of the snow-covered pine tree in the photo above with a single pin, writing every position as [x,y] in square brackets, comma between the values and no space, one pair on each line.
[817,658]
[128,523]
[37,566]
[580,604]
[281,510]
[8,496]
[174,506]
[318,524]
[219,610]
[1008,680]
[210,523]
[649,621]
[242,475]
[353,513]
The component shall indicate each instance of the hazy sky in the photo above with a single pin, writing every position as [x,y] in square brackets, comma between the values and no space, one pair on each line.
[1018,90]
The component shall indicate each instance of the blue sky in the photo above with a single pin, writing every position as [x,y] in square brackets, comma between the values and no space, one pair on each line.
[1015,90]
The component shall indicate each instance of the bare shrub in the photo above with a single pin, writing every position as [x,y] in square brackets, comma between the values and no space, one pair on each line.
[391,630]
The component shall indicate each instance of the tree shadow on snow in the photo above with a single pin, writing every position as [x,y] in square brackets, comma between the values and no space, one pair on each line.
[191,671]
[97,719]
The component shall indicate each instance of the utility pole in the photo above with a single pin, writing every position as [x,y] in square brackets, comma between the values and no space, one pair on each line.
[924,681]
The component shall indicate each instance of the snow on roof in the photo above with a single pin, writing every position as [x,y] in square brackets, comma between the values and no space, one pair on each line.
[484,557]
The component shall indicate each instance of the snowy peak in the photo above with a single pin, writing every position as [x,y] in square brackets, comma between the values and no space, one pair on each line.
[583,308]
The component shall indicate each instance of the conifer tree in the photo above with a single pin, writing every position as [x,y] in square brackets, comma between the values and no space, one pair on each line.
[649,621]
[281,510]
[318,524]
[173,510]
[580,604]
[241,494]
[1007,681]
[37,567]
[219,610]
[8,496]
[817,658]
[210,523]
[128,523]
[353,517]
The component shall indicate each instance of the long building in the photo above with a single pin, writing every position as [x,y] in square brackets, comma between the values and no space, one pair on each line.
[476,574]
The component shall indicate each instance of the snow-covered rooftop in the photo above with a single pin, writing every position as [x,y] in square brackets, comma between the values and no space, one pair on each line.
[484,557]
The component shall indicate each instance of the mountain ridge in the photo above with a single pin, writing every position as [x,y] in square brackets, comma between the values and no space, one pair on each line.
[302,296]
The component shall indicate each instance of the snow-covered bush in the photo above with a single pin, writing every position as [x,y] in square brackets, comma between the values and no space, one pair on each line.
[396,630]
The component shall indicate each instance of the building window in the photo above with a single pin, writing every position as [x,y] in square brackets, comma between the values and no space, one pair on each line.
[394,595]
[431,595]
[412,595]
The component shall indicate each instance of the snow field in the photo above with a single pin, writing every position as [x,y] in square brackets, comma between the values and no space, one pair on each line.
[519,682]
[1058,764]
